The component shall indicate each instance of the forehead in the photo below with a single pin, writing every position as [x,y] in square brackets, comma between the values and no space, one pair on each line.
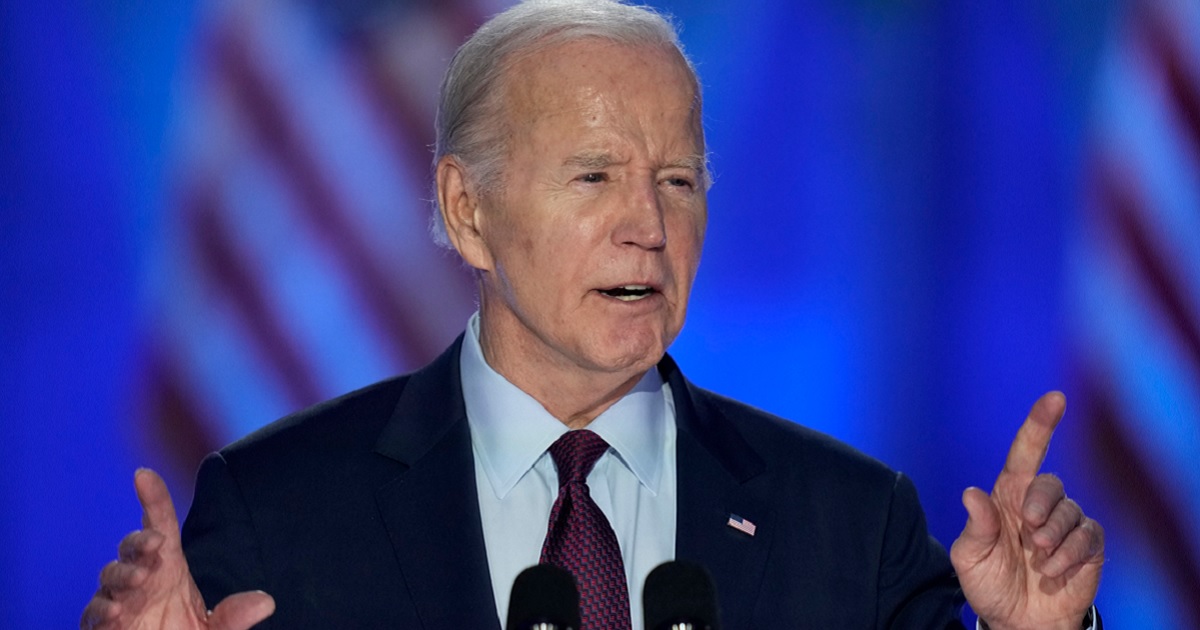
[594,84]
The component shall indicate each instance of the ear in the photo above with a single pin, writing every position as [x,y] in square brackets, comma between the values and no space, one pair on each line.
[460,206]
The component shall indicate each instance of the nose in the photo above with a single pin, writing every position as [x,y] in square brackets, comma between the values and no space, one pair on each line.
[641,222]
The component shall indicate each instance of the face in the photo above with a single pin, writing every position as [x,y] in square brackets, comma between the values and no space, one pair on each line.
[588,253]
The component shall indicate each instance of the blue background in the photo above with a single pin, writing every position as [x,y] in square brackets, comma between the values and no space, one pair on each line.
[897,183]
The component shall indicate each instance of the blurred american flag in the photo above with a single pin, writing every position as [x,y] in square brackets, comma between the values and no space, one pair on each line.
[294,262]
[1137,272]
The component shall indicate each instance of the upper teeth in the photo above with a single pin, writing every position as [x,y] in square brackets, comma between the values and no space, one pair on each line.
[629,292]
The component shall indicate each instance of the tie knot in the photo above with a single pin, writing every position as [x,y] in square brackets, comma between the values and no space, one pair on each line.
[575,453]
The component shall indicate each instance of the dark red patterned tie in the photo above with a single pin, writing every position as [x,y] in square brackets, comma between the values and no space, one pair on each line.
[580,539]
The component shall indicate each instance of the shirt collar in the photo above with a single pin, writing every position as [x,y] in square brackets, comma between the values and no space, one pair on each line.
[510,430]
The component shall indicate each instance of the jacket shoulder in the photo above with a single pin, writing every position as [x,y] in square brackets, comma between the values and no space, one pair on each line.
[353,423]
[350,422]
[787,446]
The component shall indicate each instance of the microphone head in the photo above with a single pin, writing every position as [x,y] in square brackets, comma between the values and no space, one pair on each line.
[680,592]
[543,594]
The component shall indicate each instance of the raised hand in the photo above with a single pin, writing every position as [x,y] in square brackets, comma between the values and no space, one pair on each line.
[149,587]
[1028,556]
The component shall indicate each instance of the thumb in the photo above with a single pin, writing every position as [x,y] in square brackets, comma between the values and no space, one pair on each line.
[241,611]
[982,530]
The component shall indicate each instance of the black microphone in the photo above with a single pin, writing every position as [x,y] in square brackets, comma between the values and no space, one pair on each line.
[679,595]
[543,598]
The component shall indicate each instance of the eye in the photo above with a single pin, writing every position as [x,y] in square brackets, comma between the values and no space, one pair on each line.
[593,178]
[679,182]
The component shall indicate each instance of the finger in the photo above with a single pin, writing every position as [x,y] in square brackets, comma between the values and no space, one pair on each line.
[241,611]
[1042,496]
[981,531]
[140,547]
[157,510]
[117,577]
[1033,438]
[1083,545]
[1067,516]
[99,612]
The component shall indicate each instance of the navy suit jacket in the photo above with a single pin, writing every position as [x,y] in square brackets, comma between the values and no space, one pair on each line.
[362,512]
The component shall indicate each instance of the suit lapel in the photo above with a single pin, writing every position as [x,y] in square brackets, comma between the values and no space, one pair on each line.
[431,510]
[719,475]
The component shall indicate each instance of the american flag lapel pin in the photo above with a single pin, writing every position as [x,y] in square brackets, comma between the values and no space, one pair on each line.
[741,524]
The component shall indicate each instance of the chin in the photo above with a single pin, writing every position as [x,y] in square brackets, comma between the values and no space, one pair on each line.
[627,365]
[625,352]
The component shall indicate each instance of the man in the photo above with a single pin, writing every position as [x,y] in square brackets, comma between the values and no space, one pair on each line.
[571,177]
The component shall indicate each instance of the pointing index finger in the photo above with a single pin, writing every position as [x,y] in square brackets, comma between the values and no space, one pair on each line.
[1033,438]
[158,513]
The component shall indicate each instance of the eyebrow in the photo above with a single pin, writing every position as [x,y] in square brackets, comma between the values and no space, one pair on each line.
[590,161]
[695,162]
[601,161]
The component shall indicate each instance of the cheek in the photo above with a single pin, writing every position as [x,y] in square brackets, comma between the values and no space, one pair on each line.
[523,244]
[689,234]
[569,242]
[545,261]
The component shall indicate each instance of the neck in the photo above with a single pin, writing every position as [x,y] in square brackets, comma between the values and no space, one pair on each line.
[572,394]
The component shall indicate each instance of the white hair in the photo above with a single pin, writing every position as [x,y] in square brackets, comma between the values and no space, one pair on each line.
[470,121]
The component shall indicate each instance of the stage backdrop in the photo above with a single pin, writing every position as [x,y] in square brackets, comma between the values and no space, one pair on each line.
[925,215]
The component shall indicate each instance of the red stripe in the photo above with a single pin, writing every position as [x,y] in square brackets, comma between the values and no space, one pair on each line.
[413,134]
[1161,35]
[410,127]
[406,338]
[411,130]
[220,262]
[176,422]
[1127,476]
[1126,210]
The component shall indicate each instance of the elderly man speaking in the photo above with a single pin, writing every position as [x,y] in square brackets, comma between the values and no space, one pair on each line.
[570,175]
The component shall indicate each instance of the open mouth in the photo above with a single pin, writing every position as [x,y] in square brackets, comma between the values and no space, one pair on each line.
[629,292]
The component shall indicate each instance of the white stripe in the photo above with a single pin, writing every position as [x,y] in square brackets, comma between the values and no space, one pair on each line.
[217,360]
[1139,132]
[312,295]
[385,203]
[1156,386]
[313,298]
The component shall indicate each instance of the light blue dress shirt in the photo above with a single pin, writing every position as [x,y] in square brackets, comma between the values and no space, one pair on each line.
[633,483]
